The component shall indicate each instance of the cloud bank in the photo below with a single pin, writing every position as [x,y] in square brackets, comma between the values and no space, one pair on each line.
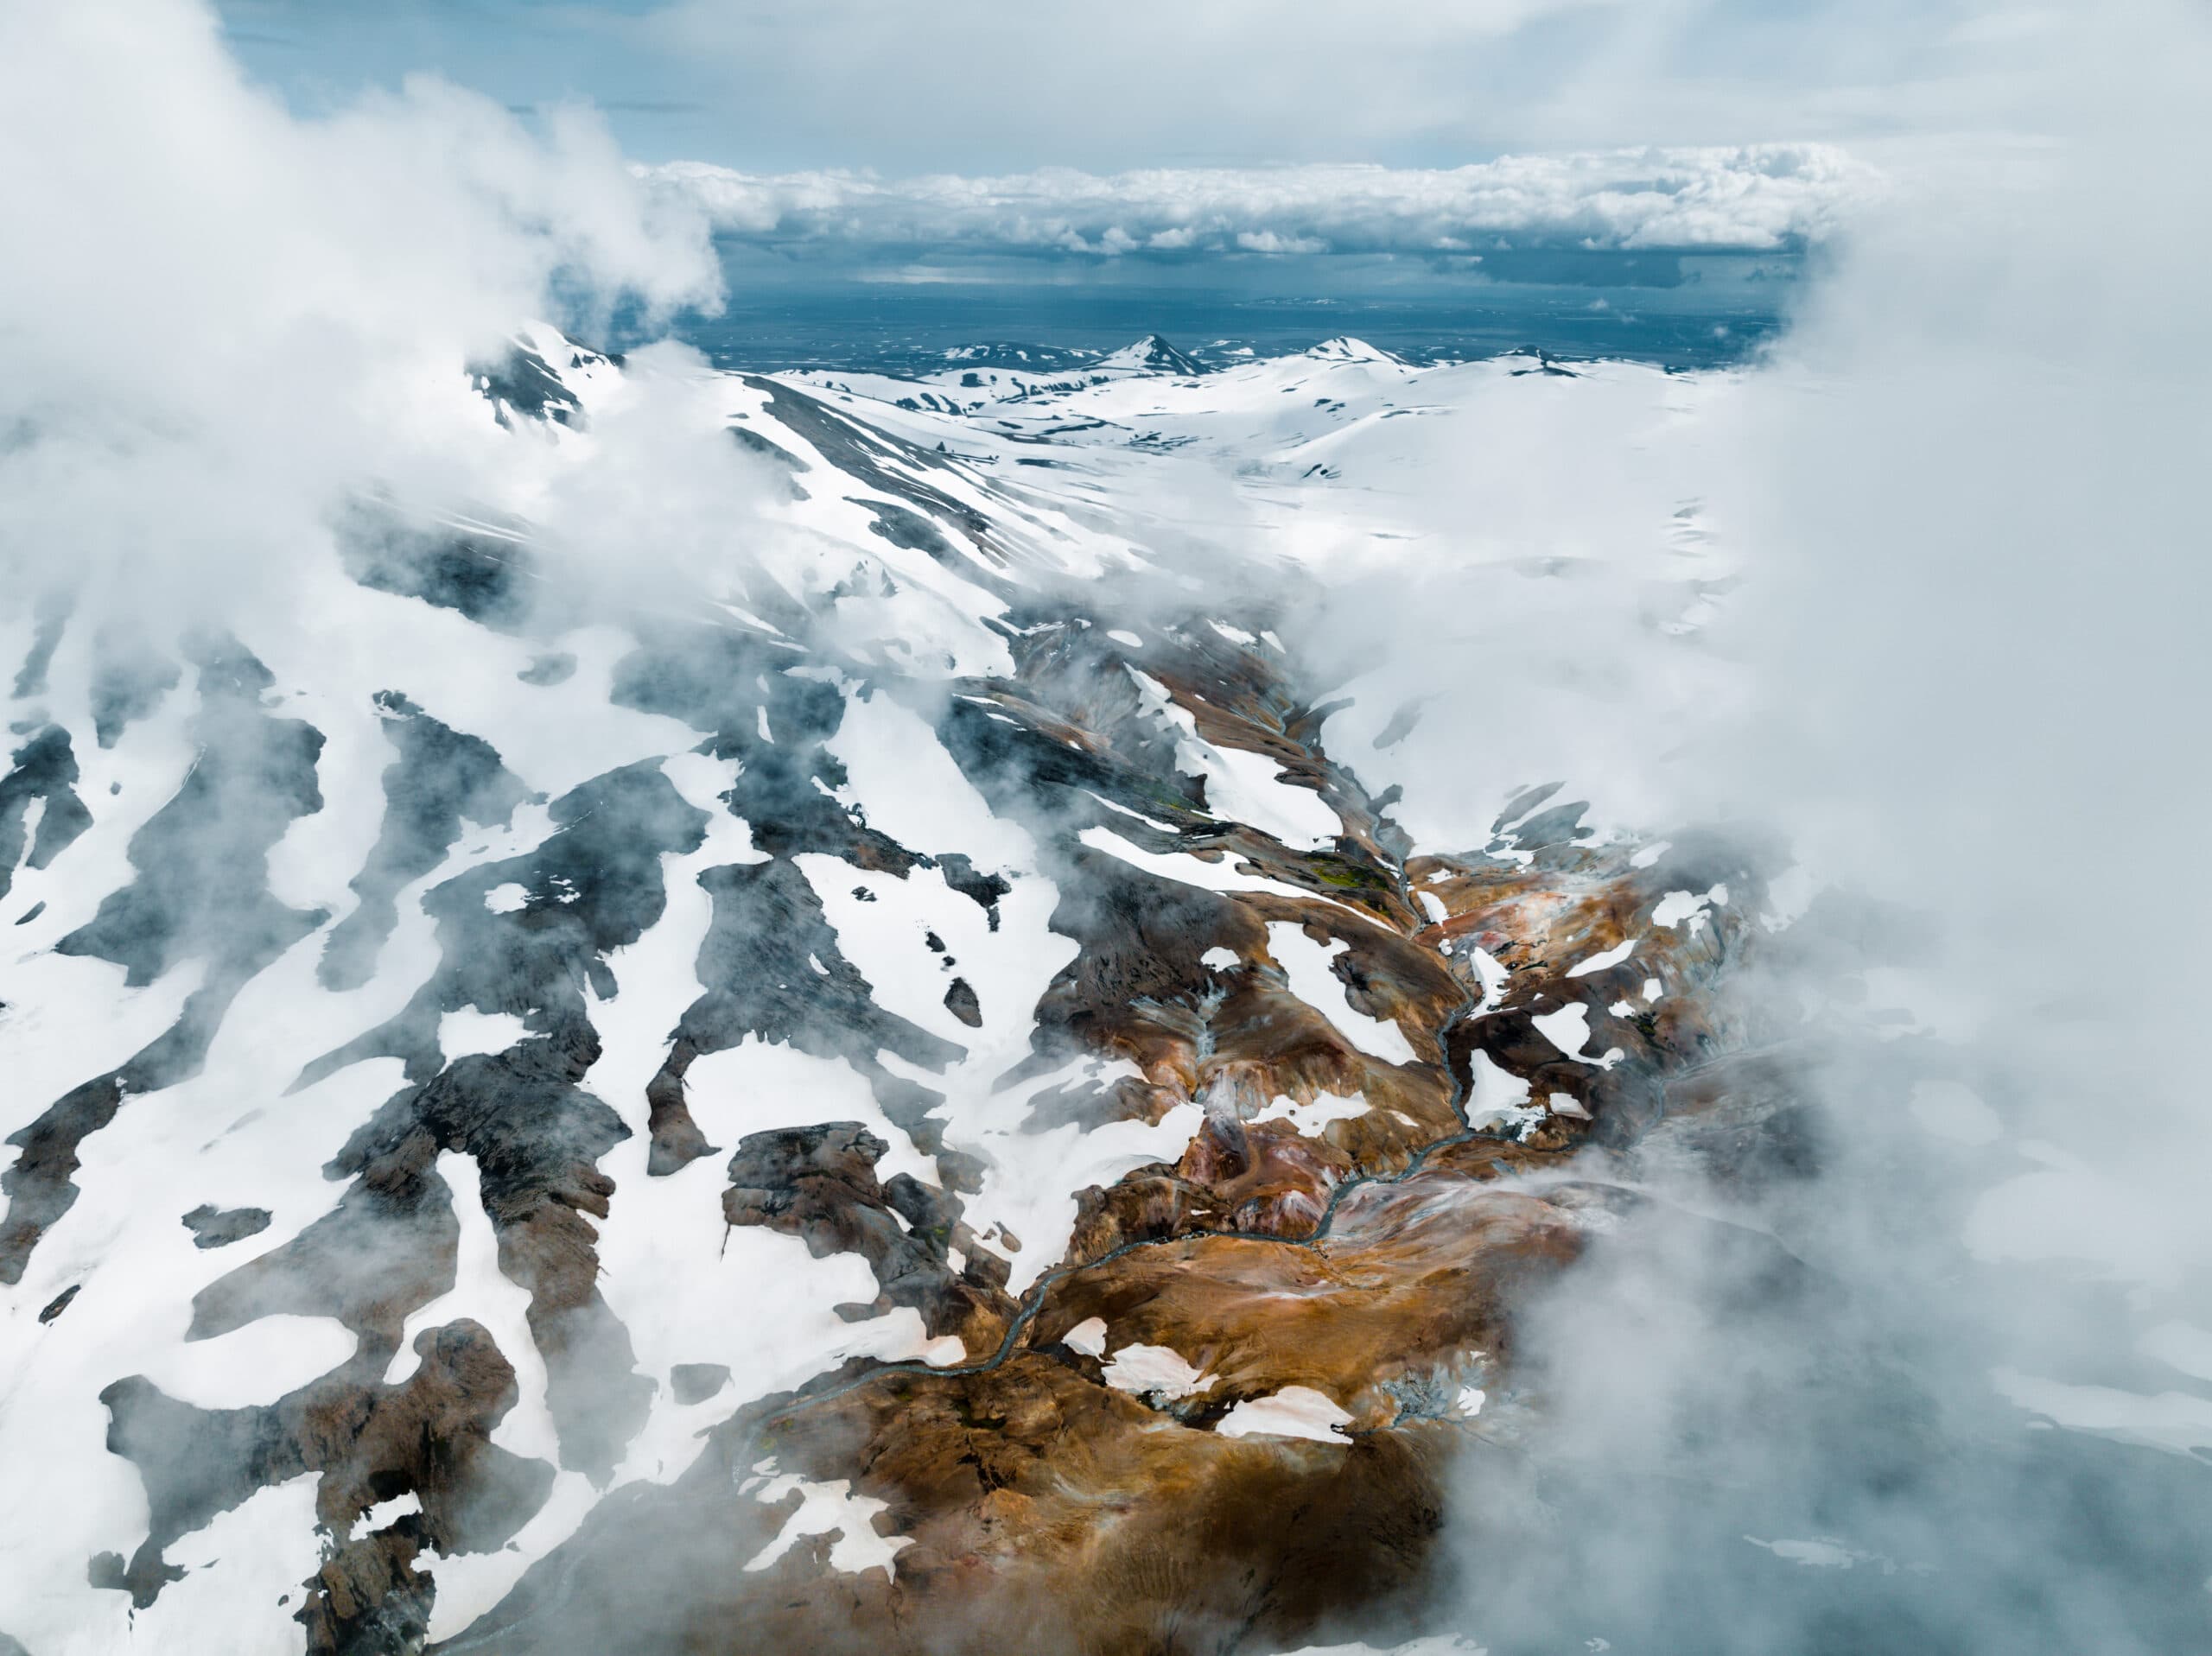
[216,317]
[1945,1384]
[975,86]
[1751,198]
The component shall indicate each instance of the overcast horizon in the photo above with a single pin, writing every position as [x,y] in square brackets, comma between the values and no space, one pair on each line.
[1064,142]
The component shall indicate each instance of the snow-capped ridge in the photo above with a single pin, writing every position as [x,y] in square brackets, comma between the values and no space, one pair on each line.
[1344,347]
[1151,354]
[543,375]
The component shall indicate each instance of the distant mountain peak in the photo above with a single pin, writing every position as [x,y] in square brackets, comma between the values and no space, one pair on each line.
[1344,348]
[1151,354]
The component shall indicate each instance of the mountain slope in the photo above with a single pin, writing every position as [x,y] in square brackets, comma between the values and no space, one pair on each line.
[742,1101]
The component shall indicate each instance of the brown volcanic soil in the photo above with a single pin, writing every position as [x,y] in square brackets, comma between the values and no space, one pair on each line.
[1378,1262]
[1046,1513]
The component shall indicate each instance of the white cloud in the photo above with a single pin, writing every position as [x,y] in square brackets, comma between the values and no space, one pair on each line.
[1269,241]
[217,317]
[965,85]
[959,81]
[1757,196]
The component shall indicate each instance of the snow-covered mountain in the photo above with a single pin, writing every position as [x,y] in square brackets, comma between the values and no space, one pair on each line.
[910,1068]
[1150,355]
[988,375]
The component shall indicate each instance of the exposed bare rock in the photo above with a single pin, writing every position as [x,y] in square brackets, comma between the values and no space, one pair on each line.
[1545,920]
[130,678]
[368,1599]
[1069,1509]
[771,967]
[1409,1278]
[692,1383]
[390,1245]
[50,614]
[45,768]
[522,384]
[484,576]
[898,467]
[818,1183]
[982,889]
[201,893]
[960,1000]
[593,886]
[731,684]
[535,1137]
[1321,1211]
[440,779]
[212,1227]
[429,1435]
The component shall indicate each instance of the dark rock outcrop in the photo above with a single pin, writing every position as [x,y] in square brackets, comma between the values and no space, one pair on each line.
[130,678]
[429,1435]
[771,967]
[485,577]
[818,1183]
[593,887]
[692,1383]
[44,768]
[201,891]
[212,1227]
[535,1137]
[440,779]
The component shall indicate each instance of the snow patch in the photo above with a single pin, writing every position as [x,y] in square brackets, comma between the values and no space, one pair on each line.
[1157,1373]
[2179,1422]
[1819,1553]
[1569,1029]
[1603,958]
[1306,965]
[466,1032]
[1496,1099]
[482,1292]
[1678,909]
[266,1358]
[1294,1412]
[1310,1118]
[825,1508]
[1240,786]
